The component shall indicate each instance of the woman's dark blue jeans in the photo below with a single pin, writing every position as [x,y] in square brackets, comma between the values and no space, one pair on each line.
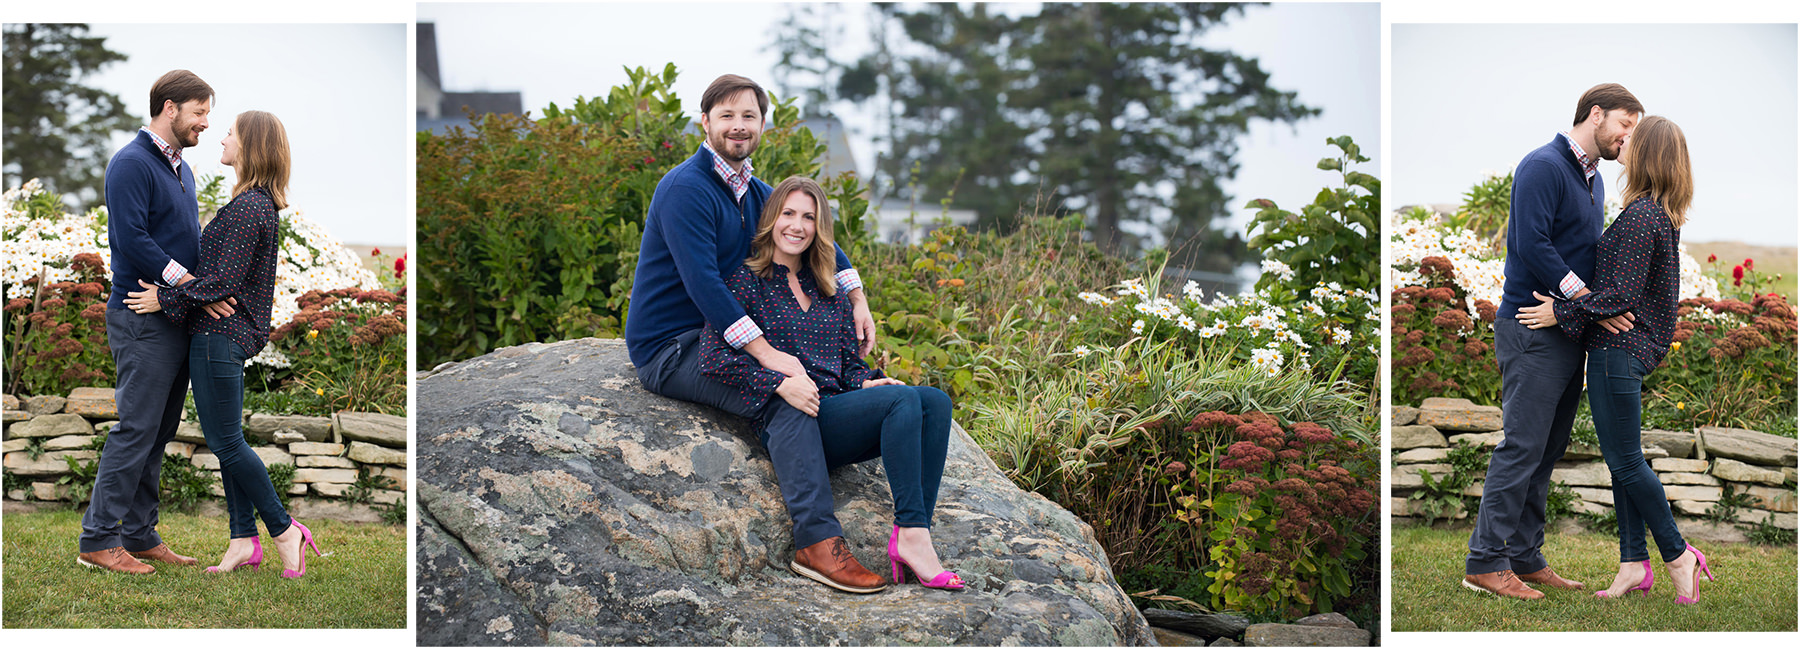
[216,365]
[908,427]
[1615,395]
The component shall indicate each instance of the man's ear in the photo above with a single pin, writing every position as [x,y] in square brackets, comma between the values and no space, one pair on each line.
[1596,114]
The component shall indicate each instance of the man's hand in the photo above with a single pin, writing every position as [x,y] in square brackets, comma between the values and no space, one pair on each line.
[143,301]
[865,323]
[1617,324]
[221,308]
[185,278]
[800,393]
[1540,315]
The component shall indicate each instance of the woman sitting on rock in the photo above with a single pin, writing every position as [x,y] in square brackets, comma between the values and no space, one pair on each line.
[841,411]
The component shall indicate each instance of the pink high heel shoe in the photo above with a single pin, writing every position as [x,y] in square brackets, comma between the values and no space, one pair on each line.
[1700,567]
[306,539]
[254,562]
[945,580]
[1649,579]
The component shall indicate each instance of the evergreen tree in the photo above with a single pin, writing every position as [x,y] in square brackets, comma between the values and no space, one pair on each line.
[57,129]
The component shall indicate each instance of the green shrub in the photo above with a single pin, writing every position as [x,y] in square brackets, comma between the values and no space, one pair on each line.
[1333,239]
[183,484]
[56,339]
[348,352]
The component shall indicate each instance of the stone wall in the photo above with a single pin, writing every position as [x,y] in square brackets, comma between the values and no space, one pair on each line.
[1696,467]
[326,452]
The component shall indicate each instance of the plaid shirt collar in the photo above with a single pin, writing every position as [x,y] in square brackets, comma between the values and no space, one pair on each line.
[170,152]
[739,181]
[1588,164]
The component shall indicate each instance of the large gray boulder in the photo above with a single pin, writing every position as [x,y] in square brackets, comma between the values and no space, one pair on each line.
[562,504]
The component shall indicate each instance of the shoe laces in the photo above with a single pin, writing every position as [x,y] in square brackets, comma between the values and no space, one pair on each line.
[840,551]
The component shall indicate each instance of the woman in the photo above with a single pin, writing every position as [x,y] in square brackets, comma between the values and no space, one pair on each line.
[842,409]
[1639,271]
[238,252]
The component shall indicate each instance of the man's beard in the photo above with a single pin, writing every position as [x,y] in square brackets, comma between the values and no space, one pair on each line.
[723,147]
[184,132]
[1604,140]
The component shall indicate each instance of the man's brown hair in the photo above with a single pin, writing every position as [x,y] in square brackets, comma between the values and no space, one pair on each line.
[179,86]
[1609,97]
[728,86]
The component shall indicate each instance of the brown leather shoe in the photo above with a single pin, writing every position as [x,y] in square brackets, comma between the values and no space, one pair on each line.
[1549,578]
[1503,583]
[115,559]
[163,554]
[829,562]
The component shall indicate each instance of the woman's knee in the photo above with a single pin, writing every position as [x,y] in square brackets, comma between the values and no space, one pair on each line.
[932,399]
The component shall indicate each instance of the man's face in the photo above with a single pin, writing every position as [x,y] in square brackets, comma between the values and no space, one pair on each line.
[1614,131]
[190,120]
[734,127]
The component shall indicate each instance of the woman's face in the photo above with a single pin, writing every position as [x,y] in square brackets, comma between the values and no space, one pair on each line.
[230,145]
[796,225]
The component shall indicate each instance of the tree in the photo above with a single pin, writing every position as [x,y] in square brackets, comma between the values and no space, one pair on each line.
[1112,110]
[57,129]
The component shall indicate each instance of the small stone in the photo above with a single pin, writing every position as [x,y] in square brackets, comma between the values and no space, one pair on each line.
[1294,635]
[1679,465]
[315,448]
[205,460]
[386,496]
[48,425]
[296,489]
[12,415]
[1704,494]
[1172,638]
[330,489]
[385,430]
[68,442]
[1405,415]
[14,445]
[1590,494]
[9,402]
[50,463]
[190,432]
[1585,474]
[272,455]
[1581,452]
[1336,620]
[1678,444]
[1748,445]
[1589,508]
[96,403]
[50,491]
[367,453]
[1406,437]
[1459,415]
[323,462]
[1225,642]
[105,427]
[1478,440]
[1735,471]
[396,476]
[1419,455]
[182,449]
[345,476]
[1775,499]
[1688,478]
[44,404]
[261,426]
[1690,507]
[288,437]
[1653,452]
[1210,625]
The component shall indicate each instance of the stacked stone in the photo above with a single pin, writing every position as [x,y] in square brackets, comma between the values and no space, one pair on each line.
[1696,467]
[326,452]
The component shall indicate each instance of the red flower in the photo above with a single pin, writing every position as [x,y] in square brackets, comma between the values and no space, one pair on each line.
[1737,275]
[400,266]
[1749,264]
[649,160]
[1711,258]
[375,253]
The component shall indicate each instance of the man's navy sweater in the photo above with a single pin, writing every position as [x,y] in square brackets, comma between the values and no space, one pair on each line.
[1556,219]
[152,216]
[696,231]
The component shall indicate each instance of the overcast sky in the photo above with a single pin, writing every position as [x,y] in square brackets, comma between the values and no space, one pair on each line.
[341,90]
[1471,98]
[1329,53]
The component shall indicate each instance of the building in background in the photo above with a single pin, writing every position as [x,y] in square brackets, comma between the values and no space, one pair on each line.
[440,109]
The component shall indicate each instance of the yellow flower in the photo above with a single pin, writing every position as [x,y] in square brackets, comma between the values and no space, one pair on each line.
[1681,405]
[1675,347]
[319,391]
[314,333]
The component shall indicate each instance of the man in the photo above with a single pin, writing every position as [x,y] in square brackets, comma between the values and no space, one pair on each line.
[701,220]
[154,231]
[1558,204]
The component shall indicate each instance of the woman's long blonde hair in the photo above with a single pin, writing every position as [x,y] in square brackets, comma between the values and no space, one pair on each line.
[1656,165]
[821,257]
[262,157]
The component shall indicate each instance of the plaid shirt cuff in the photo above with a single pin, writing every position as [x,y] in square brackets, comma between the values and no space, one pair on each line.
[1571,285]
[848,280]
[172,273]
[743,331]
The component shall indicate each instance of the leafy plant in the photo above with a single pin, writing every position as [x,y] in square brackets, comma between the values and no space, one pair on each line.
[1333,239]
[348,349]
[80,480]
[1766,532]
[282,476]
[394,514]
[363,490]
[183,484]
[1726,509]
[1561,501]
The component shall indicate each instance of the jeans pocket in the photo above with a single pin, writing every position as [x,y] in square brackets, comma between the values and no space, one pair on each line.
[1624,374]
[224,358]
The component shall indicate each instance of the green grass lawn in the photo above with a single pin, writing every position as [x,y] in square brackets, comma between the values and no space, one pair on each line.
[361,584]
[1755,590]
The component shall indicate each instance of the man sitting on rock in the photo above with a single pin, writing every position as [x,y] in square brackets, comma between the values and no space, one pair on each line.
[701,220]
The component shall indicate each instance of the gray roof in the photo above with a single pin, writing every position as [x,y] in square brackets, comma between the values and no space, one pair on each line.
[428,53]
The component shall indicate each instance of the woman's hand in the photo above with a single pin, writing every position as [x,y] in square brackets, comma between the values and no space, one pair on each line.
[1539,315]
[143,301]
[882,381]
[800,393]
